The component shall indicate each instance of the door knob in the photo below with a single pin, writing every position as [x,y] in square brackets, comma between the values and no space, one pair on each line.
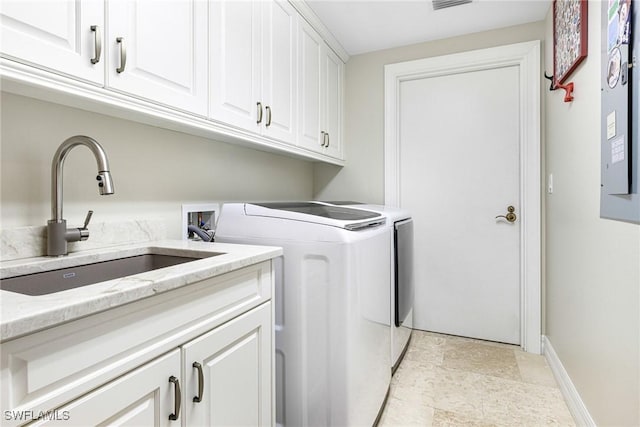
[510,216]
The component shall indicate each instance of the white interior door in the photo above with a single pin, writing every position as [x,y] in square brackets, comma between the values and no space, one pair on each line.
[459,169]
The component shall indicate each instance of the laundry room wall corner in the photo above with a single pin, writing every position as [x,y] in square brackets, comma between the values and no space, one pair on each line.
[362,178]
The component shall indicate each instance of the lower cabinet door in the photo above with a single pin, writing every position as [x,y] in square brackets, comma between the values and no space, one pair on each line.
[143,397]
[233,380]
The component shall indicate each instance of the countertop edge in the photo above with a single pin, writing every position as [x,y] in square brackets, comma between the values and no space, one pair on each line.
[22,315]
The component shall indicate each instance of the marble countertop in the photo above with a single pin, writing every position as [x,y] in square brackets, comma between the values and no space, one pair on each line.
[23,314]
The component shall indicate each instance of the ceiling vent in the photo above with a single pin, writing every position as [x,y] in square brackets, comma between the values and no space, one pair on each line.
[443,4]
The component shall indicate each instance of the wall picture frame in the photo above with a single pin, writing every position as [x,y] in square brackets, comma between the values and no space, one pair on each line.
[570,43]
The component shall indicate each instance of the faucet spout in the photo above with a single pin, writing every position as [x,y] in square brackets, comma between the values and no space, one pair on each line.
[105,183]
[57,233]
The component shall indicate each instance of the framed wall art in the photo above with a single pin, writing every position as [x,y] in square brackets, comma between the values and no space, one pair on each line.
[569,37]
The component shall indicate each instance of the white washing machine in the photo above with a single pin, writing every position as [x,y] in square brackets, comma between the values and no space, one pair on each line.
[400,224]
[331,305]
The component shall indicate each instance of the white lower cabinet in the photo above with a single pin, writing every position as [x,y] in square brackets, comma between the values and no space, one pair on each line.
[143,397]
[141,363]
[221,378]
[228,373]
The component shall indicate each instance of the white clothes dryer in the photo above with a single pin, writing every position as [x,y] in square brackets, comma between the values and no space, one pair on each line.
[401,285]
[331,307]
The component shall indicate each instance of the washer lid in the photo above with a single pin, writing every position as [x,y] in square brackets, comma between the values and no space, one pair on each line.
[392,214]
[337,216]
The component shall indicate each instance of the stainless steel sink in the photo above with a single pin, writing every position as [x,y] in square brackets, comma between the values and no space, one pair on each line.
[52,281]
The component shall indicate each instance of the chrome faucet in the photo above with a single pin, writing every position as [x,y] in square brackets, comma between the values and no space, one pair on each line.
[58,235]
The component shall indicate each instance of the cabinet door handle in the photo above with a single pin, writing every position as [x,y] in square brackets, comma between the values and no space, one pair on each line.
[198,398]
[259,105]
[123,54]
[325,139]
[328,139]
[97,40]
[177,398]
[268,116]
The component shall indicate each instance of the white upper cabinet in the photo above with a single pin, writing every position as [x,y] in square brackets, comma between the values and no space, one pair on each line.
[253,66]
[61,36]
[333,69]
[235,62]
[158,51]
[249,70]
[320,89]
[309,80]
[279,64]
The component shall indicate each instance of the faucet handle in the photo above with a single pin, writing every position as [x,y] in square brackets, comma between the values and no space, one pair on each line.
[84,231]
[87,219]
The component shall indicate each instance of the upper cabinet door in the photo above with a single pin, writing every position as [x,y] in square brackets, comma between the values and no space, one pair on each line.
[309,82]
[60,36]
[158,51]
[279,62]
[320,94]
[332,76]
[235,64]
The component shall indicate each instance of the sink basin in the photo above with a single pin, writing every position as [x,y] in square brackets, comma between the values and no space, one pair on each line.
[52,281]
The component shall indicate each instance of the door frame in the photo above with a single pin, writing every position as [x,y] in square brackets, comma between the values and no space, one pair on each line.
[525,56]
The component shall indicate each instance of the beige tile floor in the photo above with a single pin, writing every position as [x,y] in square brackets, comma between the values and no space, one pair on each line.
[452,381]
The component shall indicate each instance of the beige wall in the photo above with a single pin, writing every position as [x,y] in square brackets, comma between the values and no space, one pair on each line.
[592,295]
[593,265]
[154,170]
[362,178]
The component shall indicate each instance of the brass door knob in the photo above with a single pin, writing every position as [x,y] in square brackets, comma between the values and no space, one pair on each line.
[510,216]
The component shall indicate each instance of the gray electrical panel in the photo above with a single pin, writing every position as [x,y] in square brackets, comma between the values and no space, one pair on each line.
[620,156]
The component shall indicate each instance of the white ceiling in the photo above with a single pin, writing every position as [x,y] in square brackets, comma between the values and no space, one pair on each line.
[368,25]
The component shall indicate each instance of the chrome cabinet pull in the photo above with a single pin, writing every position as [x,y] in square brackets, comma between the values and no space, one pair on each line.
[198,398]
[328,139]
[123,54]
[177,398]
[259,104]
[324,138]
[97,40]
[268,116]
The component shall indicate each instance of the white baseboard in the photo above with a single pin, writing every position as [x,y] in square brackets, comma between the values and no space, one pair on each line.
[576,406]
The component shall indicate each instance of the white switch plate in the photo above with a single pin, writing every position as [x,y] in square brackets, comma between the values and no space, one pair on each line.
[550,184]
[198,207]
